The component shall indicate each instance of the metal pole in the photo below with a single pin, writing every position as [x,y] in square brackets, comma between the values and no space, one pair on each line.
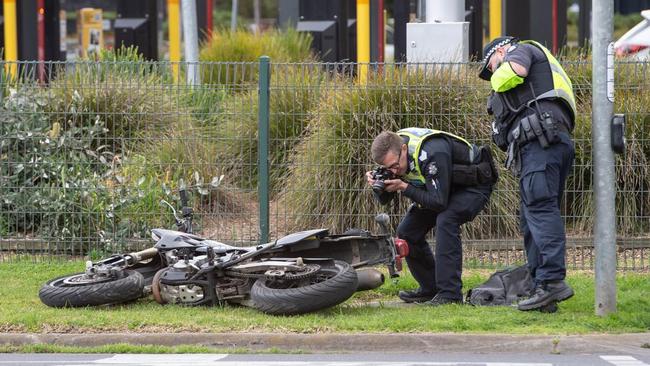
[257,15]
[191,38]
[11,37]
[583,23]
[263,148]
[496,20]
[363,39]
[341,18]
[40,5]
[401,15]
[445,11]
[208,18]
[173,10]
[374,27]
[233,16]
[603,156]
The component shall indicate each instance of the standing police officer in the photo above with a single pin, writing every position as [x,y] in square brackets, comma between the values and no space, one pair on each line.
[450,181]
[534,108]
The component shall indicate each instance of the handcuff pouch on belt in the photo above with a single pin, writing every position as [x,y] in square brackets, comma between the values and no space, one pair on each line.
[541,128]
[530,128]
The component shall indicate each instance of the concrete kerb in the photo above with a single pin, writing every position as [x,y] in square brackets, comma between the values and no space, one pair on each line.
[633,344]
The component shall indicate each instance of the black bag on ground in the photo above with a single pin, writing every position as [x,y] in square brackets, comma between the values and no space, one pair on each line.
[504,287]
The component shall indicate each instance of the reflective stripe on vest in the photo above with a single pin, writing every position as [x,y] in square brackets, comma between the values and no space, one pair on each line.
[417,136]
[562,87]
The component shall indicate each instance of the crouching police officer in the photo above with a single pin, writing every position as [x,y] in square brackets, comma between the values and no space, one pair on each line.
[450,181]
[534,109]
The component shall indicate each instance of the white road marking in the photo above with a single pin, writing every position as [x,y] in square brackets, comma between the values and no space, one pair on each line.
[217,360]
[198,361]
[162,359]
[623,361]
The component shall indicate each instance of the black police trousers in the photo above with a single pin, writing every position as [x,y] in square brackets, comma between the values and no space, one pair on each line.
[441,273]
[541,185]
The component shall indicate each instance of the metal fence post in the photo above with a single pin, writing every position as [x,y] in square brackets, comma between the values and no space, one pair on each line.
[263,148]
[603,156]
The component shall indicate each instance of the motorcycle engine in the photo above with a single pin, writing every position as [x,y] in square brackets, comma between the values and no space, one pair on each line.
[175,285]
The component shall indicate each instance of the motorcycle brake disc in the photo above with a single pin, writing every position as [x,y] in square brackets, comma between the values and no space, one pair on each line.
[306,271]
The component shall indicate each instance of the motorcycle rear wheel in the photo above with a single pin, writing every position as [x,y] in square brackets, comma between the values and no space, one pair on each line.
[331,286]
[75,291]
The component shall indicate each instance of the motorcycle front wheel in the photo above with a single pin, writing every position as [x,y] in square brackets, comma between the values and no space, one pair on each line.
[330,286]
[78,290]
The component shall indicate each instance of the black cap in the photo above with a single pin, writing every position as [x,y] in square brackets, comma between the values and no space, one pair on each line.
[489,50]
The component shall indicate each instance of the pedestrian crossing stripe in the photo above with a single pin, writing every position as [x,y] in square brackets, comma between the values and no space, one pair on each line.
[623,361]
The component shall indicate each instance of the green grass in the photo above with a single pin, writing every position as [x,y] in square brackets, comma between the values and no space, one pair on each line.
[22,311]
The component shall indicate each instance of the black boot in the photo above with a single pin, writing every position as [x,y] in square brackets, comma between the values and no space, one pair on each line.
[545,294]
[439,300]
[417,295]
[550,308]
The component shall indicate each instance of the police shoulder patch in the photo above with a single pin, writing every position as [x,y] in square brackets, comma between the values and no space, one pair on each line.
[423,156]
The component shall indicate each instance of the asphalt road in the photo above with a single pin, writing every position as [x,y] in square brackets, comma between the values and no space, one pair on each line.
[359,359]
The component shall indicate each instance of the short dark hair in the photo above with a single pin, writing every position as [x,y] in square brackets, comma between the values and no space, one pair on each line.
[383,143]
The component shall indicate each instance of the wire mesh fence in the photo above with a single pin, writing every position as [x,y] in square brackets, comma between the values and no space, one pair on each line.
[88,150]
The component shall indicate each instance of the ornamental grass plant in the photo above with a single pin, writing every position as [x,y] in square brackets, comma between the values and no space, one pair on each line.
[326,186]
[296,92]
[632,169]
[229,55]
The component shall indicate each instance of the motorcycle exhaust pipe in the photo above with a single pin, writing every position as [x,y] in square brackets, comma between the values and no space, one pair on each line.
[369,279]
[143,255]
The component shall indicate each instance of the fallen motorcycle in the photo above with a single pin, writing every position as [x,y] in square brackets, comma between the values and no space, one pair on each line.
[299,273]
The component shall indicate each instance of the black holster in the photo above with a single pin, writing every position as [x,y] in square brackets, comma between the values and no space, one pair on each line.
[542,128]
[484,171]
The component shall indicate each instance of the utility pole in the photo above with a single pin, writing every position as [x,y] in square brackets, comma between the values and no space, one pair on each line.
[603,156]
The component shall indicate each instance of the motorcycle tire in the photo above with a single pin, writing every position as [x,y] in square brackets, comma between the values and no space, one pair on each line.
[127,287]
[339,284]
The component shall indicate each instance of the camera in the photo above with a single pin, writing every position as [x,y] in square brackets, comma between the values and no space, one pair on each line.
[380,174]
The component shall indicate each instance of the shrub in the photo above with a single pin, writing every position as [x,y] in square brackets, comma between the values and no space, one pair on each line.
[51,182]
[241,51]
[129,95]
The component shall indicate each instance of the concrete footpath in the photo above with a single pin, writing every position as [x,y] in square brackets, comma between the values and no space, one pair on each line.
[632,344]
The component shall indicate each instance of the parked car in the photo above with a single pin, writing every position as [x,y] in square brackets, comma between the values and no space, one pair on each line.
[635,43]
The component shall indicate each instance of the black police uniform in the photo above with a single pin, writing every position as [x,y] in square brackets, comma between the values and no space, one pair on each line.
[444,206]
[542,169]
